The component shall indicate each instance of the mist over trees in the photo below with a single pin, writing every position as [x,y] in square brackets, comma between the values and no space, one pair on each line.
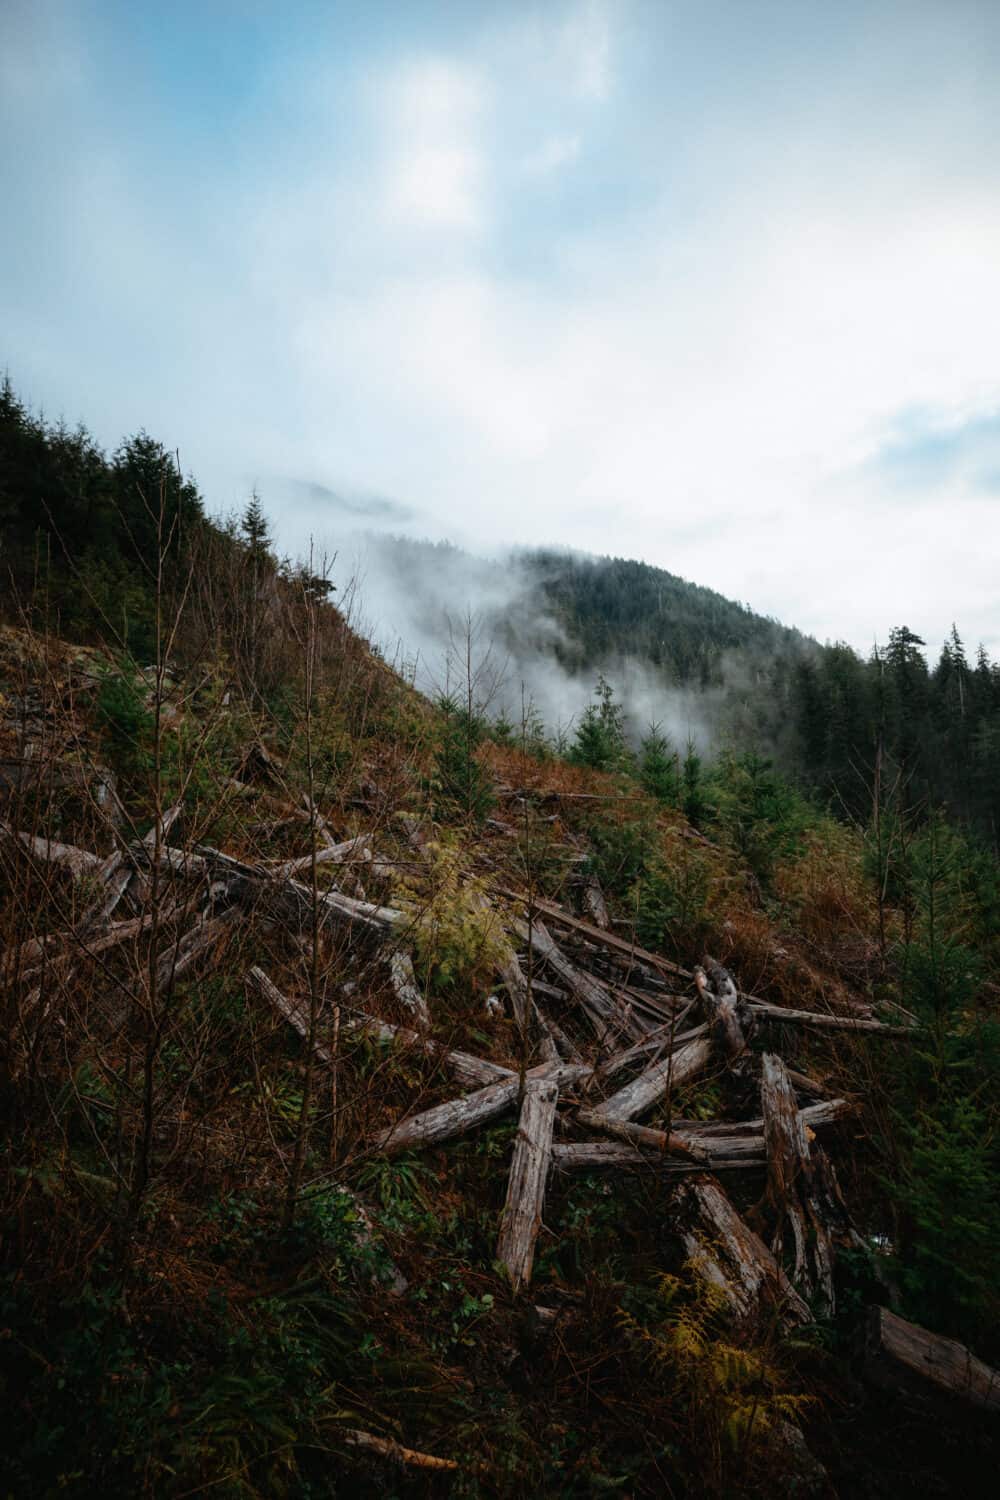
[678,658]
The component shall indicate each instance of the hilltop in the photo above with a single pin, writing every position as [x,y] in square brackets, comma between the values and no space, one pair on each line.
[399,1103]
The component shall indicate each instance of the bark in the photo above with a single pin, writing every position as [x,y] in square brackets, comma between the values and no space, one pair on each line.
[726,1254]
[904,1354]
[175,961]
[529,1170]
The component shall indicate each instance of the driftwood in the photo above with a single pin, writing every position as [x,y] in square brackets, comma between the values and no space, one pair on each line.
[726,1254]
[456,1116]
[904,1354]
[529,1170]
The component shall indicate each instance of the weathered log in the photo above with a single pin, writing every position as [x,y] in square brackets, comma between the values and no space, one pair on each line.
[594,904]
[729,1018]
[456,1116]
[529,1170]
[469,1070]
[389,1449]
[295,1011]
[764,1011]
[78,862]
[726,1254]
[667,1035]
[814,1116]
[605,939]
[802,1188]
[176,960]
[588,1156]
[904,1354]
[642,1136]
[405,987]
[350,851]
[664,1077]
[604,1010]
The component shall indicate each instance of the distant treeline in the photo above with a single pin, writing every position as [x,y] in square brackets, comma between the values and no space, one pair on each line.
[81,534]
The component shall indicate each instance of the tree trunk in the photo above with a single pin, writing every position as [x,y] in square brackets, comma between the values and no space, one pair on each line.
[529,1170]
[904,1354]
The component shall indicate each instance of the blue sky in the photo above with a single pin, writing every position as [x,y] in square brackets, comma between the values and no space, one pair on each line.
[711,284]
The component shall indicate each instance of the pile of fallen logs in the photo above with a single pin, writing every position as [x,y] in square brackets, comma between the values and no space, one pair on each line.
[634,1031]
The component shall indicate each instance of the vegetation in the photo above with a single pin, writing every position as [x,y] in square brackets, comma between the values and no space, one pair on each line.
[216,1273]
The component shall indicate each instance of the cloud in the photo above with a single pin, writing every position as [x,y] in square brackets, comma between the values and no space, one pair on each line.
[435,172]
[555,152]
[328,503]
[585,42]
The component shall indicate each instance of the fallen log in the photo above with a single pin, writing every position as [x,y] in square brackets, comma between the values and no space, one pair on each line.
[904,1354]
[405,987]
[589,1156]
[594,904]
[470,1070]
[388,1448]
[642,1136]
[529,1170]
[338,854]
[176,960]
[727,1256]
[664,1077]
[765,1011]
[456,1116]
[604,1011]
[78,862]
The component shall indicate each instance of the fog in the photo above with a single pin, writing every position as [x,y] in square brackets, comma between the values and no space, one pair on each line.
[441,615]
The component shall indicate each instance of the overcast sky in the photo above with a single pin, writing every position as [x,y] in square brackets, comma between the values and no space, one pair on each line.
[712,284]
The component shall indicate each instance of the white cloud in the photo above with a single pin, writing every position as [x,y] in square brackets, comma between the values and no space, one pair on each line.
[431,112]
[585,42]
[555,152]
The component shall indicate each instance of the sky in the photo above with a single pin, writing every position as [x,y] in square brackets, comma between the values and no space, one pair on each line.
[714,284]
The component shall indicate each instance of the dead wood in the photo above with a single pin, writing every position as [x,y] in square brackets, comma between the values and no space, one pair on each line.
[405,987]
[802,1189]
[606,1013]
[456,1116]
[729,1018]
[388,1448]
[726,1254]
[902,1354]
[529,1170]
[660,1080]
[78,862]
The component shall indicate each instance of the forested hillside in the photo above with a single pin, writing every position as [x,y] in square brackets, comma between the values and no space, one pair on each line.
[397,1102]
